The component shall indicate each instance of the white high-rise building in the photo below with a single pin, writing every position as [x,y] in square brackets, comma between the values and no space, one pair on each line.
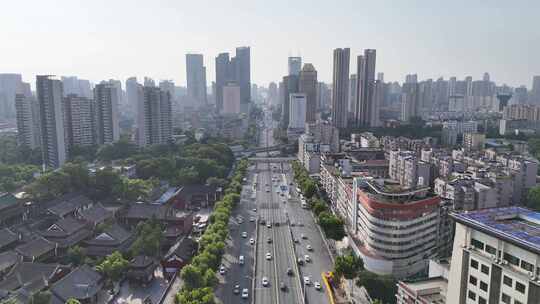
[27,121]
[154,125]
[231,99]
[75,86]
[196,79]
[297,112]
[131,97]
[51,108]
[106,113]
[9,86]
[79,115]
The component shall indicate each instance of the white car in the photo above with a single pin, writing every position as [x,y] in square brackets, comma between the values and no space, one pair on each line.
[303,236]
[222,270]
[307,281]
[252,241]
[268,256]
[307,258]
[245,293]
[252,219]
[317,285]
[265,281]
[254,209]
[244,234]
[309,248]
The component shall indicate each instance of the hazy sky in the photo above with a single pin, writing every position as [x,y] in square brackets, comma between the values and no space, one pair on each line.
[102,39]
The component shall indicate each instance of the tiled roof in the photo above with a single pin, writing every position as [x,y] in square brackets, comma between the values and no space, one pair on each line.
[35,248]
[7,237]
[82,283]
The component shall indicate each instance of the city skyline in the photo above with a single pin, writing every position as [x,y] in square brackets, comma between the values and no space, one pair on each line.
[422,39]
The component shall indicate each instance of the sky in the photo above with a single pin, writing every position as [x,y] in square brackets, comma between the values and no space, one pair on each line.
[103,39]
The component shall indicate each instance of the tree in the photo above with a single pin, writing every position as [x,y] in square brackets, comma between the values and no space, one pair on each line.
[107,184]
[192,277]
[348,266]
[76,255]
[309,188]
[73,301]
[379,287]
[137,189]
[113,266]
[332,225]
[41,297]
[195,296]
[78,175]
[319,206]
[533,198]
[149,239]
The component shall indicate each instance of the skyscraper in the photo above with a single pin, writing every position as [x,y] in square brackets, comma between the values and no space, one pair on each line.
[80,123]
[340,90]
[10,84]
[242,63]
[231,99]
[353,92]
[273,98]
[367,114]
[290,85]
[154,126]
[131,97]
[223,75]
[74,85]
[297,113]
[51,111]
[294,65]
[409,102]
[196,79]
[106,113]
[535,91]
[308,85]
[27,121]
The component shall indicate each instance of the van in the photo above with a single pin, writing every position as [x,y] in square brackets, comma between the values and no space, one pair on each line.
[241,260]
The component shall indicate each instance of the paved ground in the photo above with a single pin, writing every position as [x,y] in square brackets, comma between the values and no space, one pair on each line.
[135,293]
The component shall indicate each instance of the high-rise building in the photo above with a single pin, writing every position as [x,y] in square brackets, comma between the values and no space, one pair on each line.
[353,93]
[324,96]
[80,123]
[380,76]
[53,127]
[196,79]
[27,121]
[273,92]
[297,113]
[340,92]
[223,76]
[106,113]
[75,86]
[155,117]
[535,91]
[242,62]
[290,86]
[294,65]
[130,108]
[231,99]
[10,84]
[410,102]
[367,114]
[308,85]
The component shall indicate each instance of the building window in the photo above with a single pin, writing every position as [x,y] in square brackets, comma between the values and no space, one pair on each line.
[474,264]
[485,269]
[472,280]
[490,249]
[527,266]
[505,298]
[511,259]
[472,295]
[477,244]
[507,281]
[483,286]
[481,300]
[520,287]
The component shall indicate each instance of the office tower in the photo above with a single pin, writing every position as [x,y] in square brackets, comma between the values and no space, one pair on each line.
[521,95]
[155,116]
[106,113]
[75,86]
[380,76]
[149,82]
[27,121]
[273,92]
[130,108]
[196,79]
[340,91]
[294,65]
[51,113]
[10,84]
[297,113]
[255,93]
[308,85]
[535,91]
[441,94]
[353,92]
[117,84]
[231,99]
[452,82]
[223,75]
[367,114]
[425,95]
[290,85]
[410,101]
[80,123]
[324,96]
[242,63]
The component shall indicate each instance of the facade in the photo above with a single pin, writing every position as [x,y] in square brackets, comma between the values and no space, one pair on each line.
[473,141]
[10,84]
[535,92]
[106,112]
[231,99]
[495,257]
[294,65]
[237,69]
[366,114]
[74,86]
[196,79]
[408,170]
[28,132]
[308,85]
[290,85]
[155,117]
[80,123]
[297,117]
[340,91]
[53,127]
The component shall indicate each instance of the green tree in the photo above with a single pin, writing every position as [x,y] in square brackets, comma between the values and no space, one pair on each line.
[309,188]
[319,206]
[533,198]
[78,175]
[107,184]
[113,266]
[192,277]
[137,189]
[332,225]
[195,296]
[76,255]
[73,301]
[149,239]
[348,266]
[41,297]
[379,287]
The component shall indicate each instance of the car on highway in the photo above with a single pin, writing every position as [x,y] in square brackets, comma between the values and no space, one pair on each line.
[268,225]
[293,224]
[317,285]
[282,286]
[289,271]
[222,270]
[303,236]
[268,256]
[240,221]
[307,258]
[300,261]
[309,248]
[307,281]
[236,289]
[245,293]
[244,234]
[265,281]
[252,219]
[241,260]
[254,210]
[269,240]
[252,241]
[296,240]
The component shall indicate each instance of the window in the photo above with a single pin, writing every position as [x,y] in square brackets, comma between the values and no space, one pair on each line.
[482,300]
[511,259]
[472,295]
[474,264]
[520,287]
[477,244]
[507,281]
[505,298]
[472,280]
[527,266]
[490,249]
[483,286]
[485,269]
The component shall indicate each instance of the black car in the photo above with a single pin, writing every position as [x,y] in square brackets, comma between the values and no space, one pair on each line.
[269,240]
[282,286]
[289,271]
